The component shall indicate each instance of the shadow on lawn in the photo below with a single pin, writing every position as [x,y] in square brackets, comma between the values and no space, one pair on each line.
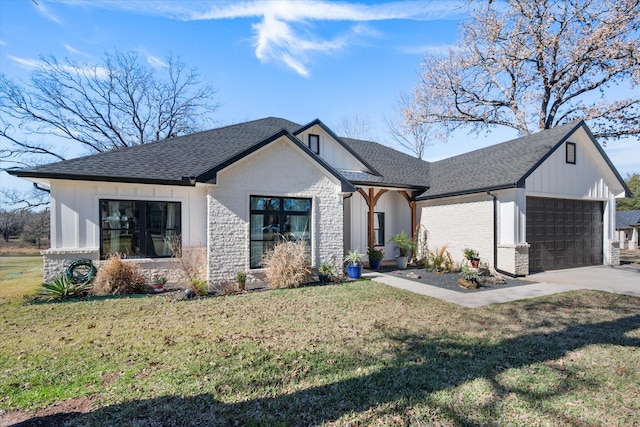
[422,365]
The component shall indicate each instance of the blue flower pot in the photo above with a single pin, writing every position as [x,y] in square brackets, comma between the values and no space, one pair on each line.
[354,271]
[374,264]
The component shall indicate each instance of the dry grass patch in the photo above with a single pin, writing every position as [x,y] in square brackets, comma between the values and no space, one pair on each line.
[354,354]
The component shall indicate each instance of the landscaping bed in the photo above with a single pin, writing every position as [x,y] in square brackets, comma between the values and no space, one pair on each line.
[449,280]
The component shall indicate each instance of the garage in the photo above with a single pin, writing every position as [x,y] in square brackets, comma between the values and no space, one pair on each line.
[563,233]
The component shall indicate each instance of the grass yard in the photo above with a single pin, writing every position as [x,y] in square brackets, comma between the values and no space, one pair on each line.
[354,354]
[19,275]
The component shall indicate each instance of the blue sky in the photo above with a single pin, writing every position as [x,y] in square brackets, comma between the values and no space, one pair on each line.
[297,60]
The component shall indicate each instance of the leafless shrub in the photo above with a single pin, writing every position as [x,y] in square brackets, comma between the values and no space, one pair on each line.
[287,265]
[118,277]
[192,260]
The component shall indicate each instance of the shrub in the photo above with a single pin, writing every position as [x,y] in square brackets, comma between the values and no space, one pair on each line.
[201,286]
[440,260]
[117,277]
[287,265]
[63,287]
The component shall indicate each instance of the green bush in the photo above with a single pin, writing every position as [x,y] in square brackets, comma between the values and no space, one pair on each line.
[63,287]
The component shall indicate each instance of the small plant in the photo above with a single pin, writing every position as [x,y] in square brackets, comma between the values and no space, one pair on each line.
[470,254]
[440,260]
[375,254]
[469,274]
[326,269]
[241,276]
[404,243]
[64,287]
[353,257]
[287,265]
[159,280]
[200,286]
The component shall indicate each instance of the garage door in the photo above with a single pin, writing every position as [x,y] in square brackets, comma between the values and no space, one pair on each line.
[563,233]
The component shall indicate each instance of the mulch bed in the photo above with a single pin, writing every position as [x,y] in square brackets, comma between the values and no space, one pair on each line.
[449,280]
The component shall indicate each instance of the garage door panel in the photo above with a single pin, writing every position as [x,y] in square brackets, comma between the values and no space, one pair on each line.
[563,233]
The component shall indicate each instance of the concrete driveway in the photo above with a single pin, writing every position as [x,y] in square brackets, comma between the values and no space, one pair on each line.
[624,279]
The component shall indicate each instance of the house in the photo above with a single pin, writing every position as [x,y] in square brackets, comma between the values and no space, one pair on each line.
[539,202]
[627,228]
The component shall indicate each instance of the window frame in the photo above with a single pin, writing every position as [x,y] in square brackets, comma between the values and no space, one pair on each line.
[281,212]
[311,137]
[144,225]
[380,241]
[570,153]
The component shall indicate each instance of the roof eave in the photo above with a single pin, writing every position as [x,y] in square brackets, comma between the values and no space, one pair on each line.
[468,192]
[185,181]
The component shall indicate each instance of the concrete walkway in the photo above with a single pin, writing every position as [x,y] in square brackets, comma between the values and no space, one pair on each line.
[624,279]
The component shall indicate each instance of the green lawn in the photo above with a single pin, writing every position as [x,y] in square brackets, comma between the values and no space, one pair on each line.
[354,354]
[19,275]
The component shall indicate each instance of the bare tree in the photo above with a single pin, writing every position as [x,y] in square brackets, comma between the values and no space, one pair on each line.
[117,103]
[354,126]
[533,65]
[409,135]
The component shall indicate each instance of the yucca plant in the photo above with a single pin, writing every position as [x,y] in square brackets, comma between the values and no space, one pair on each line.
[63,287]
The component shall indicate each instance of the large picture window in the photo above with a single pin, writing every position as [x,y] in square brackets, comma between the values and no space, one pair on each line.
[138,229]
[277,218]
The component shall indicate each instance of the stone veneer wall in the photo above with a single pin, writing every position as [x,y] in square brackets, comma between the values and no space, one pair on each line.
[615,252]
[55,262]
[514,259]
[269,173]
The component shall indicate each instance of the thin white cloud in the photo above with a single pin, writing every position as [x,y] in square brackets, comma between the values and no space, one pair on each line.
[43,10]
[75,51]
[154,61]
[282,33]
[89,70]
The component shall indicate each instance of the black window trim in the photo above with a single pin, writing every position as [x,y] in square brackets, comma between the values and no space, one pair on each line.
[281,212]
[570,148]
[317,137]
[381,236]
[143,225]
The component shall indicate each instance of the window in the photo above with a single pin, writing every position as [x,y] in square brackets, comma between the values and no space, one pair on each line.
[138,229]
[274,219]
[571,153]
[314,143]
[378,228]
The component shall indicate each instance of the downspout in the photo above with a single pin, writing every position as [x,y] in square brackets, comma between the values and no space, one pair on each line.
[495,237]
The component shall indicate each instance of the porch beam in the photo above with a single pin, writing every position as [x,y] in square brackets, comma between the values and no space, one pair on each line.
[371,199]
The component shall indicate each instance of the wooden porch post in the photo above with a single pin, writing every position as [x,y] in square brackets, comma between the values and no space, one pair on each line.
[371,199]
[412,205]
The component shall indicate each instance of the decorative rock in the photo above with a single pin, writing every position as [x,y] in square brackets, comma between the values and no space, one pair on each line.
[468,284]
[412,275]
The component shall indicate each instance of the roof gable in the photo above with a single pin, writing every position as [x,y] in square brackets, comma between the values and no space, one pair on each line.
[504,165]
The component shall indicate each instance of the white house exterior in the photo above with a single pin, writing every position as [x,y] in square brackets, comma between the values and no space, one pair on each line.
[228,191]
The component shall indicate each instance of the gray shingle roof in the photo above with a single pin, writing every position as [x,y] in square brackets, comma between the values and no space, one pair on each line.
[167,161]
[625,219]
[173,161]
[395,168]
[502,165]
[201,154]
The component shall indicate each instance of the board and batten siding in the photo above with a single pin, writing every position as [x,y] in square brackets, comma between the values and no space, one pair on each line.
[270,172]
[397,218]
[332,152]
[75,210]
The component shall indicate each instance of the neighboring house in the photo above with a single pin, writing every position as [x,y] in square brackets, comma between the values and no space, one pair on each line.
[539,202]
[627,229]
